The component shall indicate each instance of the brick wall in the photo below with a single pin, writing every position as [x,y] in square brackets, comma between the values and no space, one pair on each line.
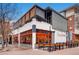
[71,23]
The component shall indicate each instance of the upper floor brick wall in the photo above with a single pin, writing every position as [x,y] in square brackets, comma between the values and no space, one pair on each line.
[27,16]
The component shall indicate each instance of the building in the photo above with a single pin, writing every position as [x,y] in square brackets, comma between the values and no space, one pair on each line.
[40,26]
[72,14]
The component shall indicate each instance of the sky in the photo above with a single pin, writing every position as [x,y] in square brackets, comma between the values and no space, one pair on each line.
[24,7]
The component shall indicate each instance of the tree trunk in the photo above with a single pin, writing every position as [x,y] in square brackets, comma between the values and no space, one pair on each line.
[3,42]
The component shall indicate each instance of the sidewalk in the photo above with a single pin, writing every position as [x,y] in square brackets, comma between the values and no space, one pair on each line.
[19,51]
[11,48]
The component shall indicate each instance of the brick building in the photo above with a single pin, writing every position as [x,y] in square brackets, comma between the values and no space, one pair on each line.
[72,14]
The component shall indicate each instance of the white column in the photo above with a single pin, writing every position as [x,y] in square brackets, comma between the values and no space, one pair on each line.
[33,36]
[19,40]
[53,33]
[33,40]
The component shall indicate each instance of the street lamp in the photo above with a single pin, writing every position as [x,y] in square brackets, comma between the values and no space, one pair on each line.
[49,47]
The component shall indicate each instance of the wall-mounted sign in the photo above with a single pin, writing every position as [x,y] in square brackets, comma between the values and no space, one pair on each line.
[33,28]
[61,34]
[60,37]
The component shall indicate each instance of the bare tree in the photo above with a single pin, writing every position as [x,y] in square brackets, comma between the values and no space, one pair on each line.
[7,13]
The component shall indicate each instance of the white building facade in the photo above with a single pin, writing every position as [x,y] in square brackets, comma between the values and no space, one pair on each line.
[42,29]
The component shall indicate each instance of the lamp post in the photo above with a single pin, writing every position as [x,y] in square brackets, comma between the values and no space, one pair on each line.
[49,47]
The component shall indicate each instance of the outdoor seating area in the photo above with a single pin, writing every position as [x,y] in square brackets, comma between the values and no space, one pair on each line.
[57,46]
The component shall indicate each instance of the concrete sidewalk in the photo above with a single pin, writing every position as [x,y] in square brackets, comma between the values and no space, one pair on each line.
[12,48]
[19,51]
